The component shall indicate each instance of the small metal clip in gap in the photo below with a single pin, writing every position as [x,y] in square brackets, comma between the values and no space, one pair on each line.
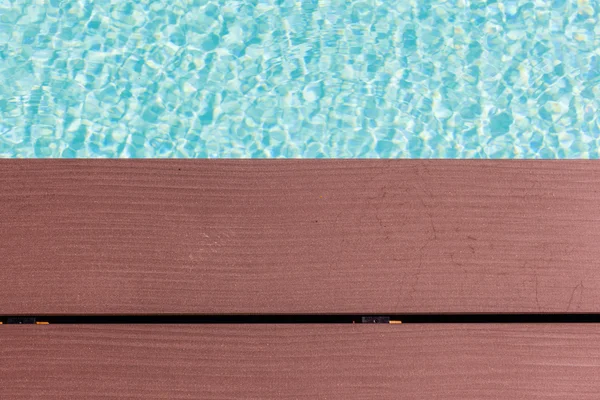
[24,321]
[379,320]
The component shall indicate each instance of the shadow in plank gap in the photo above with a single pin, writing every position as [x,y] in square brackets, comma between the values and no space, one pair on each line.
[471,318]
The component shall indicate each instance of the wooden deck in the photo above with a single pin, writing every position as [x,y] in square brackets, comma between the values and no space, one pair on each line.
[299,236]
[301,362]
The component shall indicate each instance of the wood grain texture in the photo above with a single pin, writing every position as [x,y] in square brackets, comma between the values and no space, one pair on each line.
[299,236]
[301,362]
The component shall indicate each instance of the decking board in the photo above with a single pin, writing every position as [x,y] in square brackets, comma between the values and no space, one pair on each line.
[299,236]
[300,362]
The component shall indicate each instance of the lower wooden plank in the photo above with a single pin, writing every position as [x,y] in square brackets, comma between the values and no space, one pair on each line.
[303,361]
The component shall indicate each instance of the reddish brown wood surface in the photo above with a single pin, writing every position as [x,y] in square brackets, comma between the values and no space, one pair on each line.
[299,236]
[301,362]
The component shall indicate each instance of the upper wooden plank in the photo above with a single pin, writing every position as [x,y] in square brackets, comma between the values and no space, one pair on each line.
[299,236]
[454,362]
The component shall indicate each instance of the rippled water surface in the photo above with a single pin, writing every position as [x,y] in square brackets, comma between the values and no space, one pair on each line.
[280,78]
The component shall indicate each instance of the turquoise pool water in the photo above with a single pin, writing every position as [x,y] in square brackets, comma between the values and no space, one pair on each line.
[310,78]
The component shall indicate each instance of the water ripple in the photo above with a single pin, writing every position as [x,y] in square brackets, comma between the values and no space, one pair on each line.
[311,78]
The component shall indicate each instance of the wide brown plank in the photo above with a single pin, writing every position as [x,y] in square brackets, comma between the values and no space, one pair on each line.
[300,361]
[299,236]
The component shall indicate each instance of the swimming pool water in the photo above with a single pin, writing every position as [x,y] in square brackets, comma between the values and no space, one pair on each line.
[310,78]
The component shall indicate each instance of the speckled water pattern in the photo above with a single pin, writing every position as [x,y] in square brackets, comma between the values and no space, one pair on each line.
[310,78]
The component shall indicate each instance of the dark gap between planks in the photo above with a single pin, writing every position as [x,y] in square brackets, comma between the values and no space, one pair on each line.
[305,318]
